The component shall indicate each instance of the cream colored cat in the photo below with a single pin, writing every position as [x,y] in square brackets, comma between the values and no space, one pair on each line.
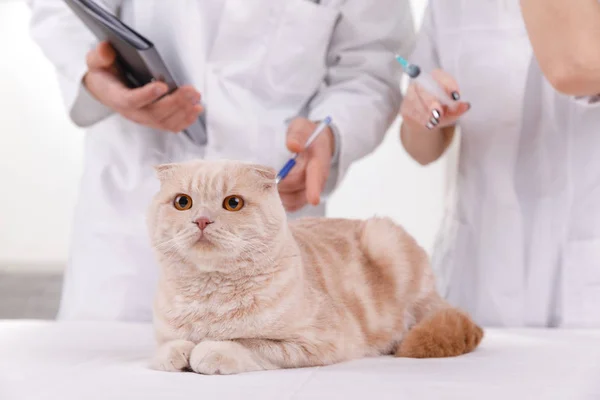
[242,290]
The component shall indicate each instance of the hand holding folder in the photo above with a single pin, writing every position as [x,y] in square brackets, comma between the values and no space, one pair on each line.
[127,74]
[148,105]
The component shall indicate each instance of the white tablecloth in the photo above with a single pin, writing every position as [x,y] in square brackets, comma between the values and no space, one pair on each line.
[87,361]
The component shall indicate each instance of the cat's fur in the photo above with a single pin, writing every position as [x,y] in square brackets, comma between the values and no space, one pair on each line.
[255,293]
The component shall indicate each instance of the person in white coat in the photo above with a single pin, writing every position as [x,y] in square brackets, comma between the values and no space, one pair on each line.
[251,67]
[520,245]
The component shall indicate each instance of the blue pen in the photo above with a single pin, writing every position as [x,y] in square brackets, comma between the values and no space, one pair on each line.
[292,161]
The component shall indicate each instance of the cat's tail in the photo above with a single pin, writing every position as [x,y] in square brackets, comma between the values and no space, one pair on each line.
[436,328]
[446,332]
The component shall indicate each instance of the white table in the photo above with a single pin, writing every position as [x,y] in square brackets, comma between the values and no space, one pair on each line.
[88,361]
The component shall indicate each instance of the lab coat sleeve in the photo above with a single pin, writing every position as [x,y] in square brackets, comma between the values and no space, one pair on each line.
[65,41]
[588,100]
[362,88]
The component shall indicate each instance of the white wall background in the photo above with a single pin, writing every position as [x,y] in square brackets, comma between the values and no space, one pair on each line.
[41,152]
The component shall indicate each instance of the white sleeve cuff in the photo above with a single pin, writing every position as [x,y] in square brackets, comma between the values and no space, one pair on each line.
[337,145]
[84,109]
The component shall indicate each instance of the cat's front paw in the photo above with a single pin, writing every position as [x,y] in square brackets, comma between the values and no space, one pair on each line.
[173,356]
[222,358]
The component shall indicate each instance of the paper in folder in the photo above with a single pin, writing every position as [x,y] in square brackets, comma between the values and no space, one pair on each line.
[137,57]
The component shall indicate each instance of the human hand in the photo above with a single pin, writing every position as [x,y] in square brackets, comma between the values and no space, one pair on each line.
[307,179]
[420,110]
[145,105]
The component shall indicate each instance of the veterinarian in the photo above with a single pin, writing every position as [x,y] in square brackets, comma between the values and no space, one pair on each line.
[521,243]
[264,73]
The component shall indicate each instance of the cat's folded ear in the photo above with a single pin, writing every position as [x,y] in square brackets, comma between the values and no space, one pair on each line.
[164,172]
[265,175]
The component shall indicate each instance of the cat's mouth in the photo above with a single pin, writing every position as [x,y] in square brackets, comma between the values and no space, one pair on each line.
[202,238]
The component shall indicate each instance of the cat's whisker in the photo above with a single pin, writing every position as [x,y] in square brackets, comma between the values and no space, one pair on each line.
[167,241]
[181,236]
[302,294]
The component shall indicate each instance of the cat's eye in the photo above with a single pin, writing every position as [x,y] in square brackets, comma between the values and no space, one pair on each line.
[233,203]
[182,202]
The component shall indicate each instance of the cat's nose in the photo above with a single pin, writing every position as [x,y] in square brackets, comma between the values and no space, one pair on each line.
[203,222]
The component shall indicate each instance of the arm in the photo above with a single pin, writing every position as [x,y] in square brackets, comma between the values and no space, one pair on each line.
[90,82]
[362,92]
[426,145]
[65,41]
[565,36]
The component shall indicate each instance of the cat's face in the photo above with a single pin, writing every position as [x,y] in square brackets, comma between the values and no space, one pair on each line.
[212,212]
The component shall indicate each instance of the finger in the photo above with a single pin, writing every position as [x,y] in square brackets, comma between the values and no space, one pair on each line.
[296,178]
[181,119]
[414,109]
[432,109]
[298,133]
[447,82]
[103,56]
[461,109]
[106,86]
[317,172]
[184,98]
[135,99]
[175,122]
[293,201]
[169,105]
[293,182]
[193,116]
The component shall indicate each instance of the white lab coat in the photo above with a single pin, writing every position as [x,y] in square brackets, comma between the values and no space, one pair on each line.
[520,245]
[257,63]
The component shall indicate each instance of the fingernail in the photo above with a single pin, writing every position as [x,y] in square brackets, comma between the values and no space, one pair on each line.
[468,106]
[193,97]
[436,114]
[434,121]
[429,126]
[455,96]
[160,89]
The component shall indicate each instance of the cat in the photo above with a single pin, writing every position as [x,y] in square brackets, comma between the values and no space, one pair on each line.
[242,290]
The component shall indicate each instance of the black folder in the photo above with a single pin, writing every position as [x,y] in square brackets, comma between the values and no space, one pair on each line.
[137,57]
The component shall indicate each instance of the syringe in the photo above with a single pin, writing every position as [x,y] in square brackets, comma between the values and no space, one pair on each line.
[427,82]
